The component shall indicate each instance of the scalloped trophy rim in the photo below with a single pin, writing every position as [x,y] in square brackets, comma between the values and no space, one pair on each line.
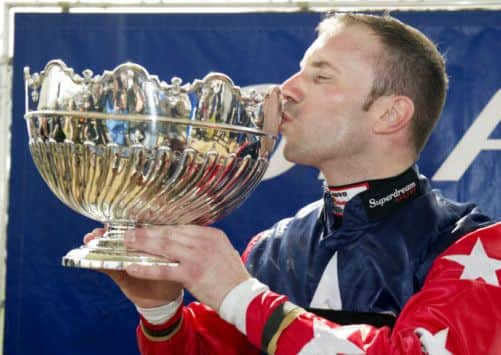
[34,81]
[161,84]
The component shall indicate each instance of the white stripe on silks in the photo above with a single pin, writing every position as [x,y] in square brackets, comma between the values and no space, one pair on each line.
[161,314]
[327,294]
[233,308]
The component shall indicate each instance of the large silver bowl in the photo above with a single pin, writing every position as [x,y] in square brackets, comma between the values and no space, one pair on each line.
[127,149]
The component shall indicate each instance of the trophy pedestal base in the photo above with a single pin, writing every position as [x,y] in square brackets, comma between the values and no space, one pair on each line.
[104,253]
[109,251]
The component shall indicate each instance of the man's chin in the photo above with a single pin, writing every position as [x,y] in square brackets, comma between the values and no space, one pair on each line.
[298,157]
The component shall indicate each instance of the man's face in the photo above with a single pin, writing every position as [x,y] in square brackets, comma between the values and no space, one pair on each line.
[323,119]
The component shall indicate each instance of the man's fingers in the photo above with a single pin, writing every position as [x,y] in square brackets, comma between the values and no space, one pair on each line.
[182,229]
[272,111]
[171,245]
[160,272]
[116,275]
[151,238]
[96,233]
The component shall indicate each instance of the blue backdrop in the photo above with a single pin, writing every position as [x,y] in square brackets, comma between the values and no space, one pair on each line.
[56,310]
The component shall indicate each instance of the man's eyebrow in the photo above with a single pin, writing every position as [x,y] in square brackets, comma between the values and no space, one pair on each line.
[321,64]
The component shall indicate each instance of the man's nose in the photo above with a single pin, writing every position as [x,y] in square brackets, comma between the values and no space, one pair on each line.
[291,88]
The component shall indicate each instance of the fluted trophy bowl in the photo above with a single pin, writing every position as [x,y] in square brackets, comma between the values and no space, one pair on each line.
[129,150]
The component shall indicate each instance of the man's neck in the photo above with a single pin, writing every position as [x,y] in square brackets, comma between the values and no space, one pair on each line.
[340,174]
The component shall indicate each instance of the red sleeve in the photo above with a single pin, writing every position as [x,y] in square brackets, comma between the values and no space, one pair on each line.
[251,244]
[195,329]
[456,312]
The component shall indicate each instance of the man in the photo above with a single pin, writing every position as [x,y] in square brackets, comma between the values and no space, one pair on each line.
[380,245]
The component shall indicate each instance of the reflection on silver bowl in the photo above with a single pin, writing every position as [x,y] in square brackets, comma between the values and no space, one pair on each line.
[127,149]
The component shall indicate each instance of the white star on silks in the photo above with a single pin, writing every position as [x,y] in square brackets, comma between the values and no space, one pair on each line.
[478,264]
[330,341]
[434,344]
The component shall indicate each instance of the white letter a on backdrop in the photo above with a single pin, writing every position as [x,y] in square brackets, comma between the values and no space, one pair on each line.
[473,142]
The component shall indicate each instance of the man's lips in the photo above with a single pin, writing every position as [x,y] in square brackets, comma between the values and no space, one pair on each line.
[285,118]
[284,121]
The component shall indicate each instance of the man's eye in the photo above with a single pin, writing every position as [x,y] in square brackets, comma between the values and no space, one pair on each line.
[321,78]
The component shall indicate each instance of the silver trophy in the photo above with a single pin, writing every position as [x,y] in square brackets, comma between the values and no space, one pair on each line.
[129,150]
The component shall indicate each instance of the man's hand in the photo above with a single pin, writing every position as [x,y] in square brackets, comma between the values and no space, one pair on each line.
[272,111]
[272,115]
[143,293]
[208,266]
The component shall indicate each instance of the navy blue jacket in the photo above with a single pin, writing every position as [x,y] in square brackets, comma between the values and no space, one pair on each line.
[387,242]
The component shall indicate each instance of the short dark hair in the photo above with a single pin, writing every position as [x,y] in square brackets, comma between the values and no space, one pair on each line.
[409,65]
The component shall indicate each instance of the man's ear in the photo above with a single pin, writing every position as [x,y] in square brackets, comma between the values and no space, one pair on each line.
[393,114]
